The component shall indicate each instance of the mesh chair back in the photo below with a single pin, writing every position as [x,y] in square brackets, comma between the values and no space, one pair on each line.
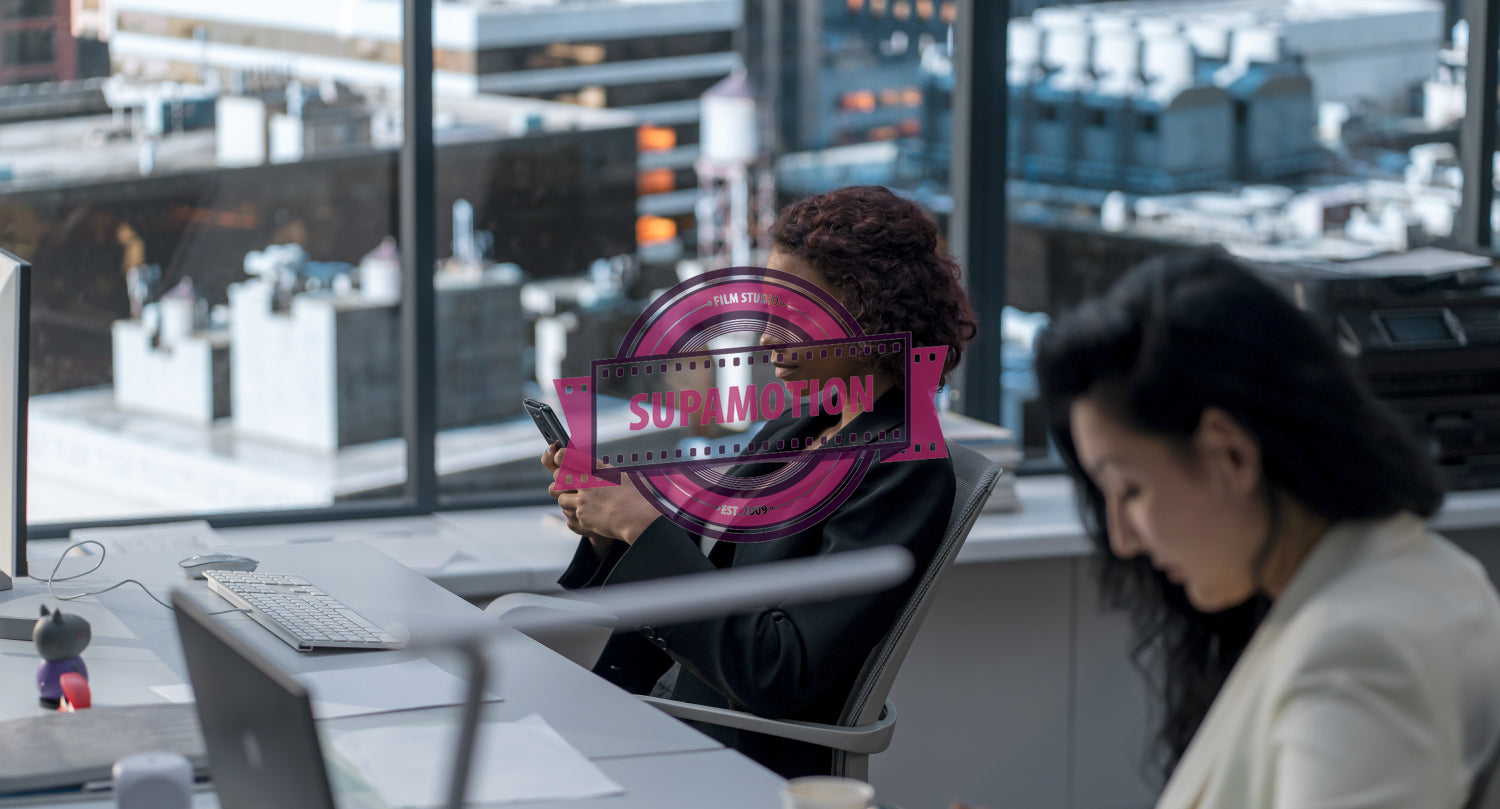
[975,478]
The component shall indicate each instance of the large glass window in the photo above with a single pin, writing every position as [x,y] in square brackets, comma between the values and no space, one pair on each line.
[218,291]
[216,296]
[1135,130]
[595,247]
[555,236]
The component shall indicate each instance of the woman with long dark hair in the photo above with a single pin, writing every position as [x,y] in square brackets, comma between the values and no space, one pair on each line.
[1259,514]
[877,254]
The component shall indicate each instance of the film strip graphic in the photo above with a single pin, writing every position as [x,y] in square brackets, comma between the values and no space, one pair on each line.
[742,490]
[673,409]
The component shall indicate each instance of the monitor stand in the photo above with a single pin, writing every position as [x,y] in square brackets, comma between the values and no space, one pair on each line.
[14,628]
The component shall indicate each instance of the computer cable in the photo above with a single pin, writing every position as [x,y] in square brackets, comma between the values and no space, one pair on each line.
[103,552]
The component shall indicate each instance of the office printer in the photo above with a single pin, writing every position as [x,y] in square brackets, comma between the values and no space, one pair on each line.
[1423,330]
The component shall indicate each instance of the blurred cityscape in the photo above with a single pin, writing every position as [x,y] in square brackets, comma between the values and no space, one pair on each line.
[208,192]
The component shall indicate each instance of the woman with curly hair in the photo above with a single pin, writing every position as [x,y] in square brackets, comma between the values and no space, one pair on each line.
[878,255]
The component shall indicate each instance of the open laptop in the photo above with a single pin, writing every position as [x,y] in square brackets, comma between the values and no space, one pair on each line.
[257,720]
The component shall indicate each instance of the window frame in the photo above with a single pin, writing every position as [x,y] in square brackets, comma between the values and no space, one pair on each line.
[979,124]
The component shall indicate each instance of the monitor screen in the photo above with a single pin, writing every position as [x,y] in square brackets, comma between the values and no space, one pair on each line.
[15,301]
[1416,327]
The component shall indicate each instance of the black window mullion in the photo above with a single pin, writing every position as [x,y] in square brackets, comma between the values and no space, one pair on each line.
[418,254]
[1477,134]
[978,180]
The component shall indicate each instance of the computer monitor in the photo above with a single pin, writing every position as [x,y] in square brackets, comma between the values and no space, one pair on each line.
[15,324]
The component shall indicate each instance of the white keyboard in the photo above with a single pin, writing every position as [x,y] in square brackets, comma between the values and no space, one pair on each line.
[297,612]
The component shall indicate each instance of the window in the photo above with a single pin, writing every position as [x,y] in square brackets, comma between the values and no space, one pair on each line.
[25,9]
[570,54]
[551,229]
[215,325]
[591,220]
[26,48]
[1254,155]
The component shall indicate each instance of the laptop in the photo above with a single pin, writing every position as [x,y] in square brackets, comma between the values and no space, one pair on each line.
[257,720]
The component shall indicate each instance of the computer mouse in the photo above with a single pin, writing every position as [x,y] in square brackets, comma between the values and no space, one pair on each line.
[196,566]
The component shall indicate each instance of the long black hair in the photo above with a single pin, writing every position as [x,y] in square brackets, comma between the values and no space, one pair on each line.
[1174,336]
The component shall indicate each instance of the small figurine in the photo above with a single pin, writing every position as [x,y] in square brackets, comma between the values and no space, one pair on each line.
[59,639]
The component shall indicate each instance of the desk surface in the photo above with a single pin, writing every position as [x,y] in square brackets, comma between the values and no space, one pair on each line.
[525,549]
[135,647]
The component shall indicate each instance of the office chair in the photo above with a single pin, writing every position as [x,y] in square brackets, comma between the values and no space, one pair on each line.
[868,720]
[1484,793]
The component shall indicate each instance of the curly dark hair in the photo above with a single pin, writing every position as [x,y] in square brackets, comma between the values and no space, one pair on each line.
[881,252]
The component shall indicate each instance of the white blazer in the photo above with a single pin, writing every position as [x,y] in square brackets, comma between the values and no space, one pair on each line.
[1374,681]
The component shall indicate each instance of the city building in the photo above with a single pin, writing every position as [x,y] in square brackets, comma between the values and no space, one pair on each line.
[1126,101]
[553,186]
[36,42]
[653,57]
[1144,95]
[835,74]
[1373,54]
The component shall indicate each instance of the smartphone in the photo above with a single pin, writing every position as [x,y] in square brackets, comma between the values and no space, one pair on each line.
[546,421]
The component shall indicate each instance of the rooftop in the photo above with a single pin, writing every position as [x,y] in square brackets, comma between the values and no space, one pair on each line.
[48,152]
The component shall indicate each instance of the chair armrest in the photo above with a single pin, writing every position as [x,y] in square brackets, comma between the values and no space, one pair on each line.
[581,640]
[864,739]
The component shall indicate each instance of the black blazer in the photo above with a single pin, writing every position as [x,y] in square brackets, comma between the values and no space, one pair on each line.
[798,662]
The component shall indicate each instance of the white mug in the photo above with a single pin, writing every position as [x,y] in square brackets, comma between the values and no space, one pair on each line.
[826,792]
[153,781]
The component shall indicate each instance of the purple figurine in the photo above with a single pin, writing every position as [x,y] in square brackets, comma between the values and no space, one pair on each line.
[59,639]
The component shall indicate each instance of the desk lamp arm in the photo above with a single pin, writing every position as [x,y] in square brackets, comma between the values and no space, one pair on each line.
[677,600]
[864,739]
[468,730]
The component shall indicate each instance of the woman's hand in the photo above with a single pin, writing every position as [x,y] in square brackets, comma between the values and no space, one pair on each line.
[552,461]
[613,512]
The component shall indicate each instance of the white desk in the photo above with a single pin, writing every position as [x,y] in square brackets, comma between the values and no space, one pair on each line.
[525,549]
[1017,690]
[659,761]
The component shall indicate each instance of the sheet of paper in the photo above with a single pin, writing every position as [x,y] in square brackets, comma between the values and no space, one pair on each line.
[195,535]
[525,760]
[102,622]
[177,692]
[387,687]
[416,551]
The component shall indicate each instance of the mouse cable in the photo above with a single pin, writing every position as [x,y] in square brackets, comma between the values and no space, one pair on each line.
[103,552]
